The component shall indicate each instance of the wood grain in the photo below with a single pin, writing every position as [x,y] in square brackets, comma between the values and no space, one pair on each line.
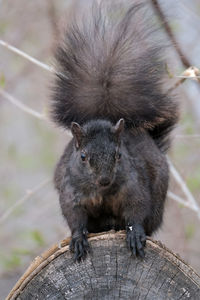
[109,272]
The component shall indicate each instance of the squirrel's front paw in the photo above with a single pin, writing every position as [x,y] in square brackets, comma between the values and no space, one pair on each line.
[136,239]
[79,245]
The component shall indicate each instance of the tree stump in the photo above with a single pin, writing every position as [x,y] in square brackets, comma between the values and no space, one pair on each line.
[109,272]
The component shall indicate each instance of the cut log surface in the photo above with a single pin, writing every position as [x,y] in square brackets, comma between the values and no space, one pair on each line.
[109,272]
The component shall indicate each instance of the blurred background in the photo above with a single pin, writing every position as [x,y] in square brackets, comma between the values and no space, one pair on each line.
[30,217]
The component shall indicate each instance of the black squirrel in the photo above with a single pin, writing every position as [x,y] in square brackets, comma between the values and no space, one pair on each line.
[108,90]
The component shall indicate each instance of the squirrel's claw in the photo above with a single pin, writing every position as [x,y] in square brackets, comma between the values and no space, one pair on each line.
[136,239]
[80,246]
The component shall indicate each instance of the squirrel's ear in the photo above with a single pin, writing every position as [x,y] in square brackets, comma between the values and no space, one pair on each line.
[119,127]
[78,133]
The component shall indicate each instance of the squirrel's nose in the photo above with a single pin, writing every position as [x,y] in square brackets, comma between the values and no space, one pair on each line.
[104,181]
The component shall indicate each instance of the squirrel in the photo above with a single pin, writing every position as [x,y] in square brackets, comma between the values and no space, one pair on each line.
[108,90]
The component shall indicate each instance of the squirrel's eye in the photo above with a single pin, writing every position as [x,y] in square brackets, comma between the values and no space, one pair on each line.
[83,156]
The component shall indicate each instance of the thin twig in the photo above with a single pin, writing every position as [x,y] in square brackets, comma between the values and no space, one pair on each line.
[188,77]
[187,135]
[32,59]
[179,200]
[179,82]
[22,106]
[192,203]
[190,73]
[168,30]
[27,196]
[25,55]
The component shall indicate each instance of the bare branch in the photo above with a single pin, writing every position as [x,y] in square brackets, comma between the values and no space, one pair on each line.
[187,136]
[190,73]
[22,106]
[179,200]
[25,55]
[184,59]
[179,82]
[32,59]
[188,77]
[191,202]
[28,195]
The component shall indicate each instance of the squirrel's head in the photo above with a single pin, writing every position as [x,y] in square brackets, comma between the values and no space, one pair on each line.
[97,150]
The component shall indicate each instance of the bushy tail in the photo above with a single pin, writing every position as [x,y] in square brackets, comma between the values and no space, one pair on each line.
[110,66]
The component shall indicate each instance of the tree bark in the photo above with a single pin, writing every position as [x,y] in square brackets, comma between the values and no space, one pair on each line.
[109,272]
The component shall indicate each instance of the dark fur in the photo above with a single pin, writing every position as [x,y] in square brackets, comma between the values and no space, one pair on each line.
[112,69]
